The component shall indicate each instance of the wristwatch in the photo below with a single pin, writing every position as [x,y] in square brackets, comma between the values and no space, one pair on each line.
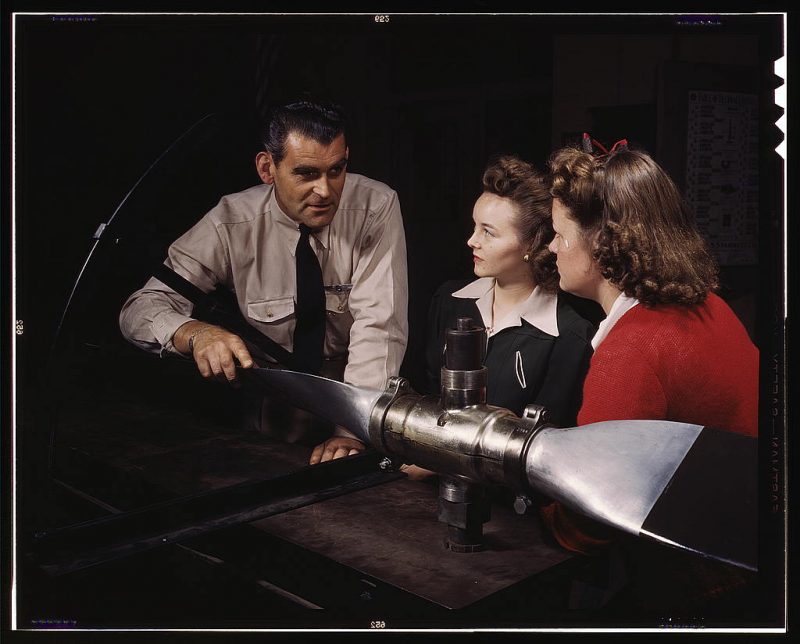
[191,340]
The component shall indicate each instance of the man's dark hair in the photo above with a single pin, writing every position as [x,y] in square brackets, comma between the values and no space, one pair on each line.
[321,121]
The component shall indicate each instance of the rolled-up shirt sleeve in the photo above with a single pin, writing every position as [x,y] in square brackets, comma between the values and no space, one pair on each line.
[379,299]
[151,315]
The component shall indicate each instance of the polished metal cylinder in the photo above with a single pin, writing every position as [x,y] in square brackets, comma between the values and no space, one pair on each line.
[481,442]
[463,388]
[464,506]
[465,346]
[463,376]
[458,490]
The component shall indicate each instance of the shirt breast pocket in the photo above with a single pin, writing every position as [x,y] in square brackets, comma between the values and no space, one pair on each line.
[337,297]
[271,311]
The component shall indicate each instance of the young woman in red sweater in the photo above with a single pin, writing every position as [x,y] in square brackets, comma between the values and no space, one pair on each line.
[669,348]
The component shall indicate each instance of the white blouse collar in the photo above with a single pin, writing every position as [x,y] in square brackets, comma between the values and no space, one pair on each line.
[539,309]
[621,306]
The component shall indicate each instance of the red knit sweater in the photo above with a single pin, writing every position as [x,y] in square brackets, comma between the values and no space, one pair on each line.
[693,365]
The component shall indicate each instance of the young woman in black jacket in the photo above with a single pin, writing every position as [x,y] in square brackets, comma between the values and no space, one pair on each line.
[538,345]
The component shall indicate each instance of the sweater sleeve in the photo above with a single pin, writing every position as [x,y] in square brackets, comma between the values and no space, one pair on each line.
[574,531]
[621,385]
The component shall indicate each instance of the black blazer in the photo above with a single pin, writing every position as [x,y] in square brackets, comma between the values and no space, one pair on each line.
[553,368]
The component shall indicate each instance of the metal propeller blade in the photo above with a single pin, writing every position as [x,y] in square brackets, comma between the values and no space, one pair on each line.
[684,485]
[337,402]
[614,471]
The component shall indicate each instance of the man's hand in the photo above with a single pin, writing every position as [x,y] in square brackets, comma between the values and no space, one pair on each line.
[213,349]
[416,473]
[335,447]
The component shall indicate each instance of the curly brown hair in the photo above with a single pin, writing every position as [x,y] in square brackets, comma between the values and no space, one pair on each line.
[520,182]
[644,238]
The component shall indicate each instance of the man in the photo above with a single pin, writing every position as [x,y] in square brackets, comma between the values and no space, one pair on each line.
[256,243]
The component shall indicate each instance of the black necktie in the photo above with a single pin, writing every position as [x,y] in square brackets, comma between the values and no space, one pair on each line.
[309,333]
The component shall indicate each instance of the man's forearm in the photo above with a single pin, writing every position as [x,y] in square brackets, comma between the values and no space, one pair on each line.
[151,315]
[187,334]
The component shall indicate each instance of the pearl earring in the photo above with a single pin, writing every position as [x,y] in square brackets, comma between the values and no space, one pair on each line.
[526,257]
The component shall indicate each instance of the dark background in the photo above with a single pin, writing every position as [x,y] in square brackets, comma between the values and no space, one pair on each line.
[430,99]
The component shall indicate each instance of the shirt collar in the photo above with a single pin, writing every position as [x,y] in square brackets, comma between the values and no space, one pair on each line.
[289,228]
[621,306]
[539,309]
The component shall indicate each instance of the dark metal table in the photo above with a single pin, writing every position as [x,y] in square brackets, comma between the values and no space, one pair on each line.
[388,533]
[370,556]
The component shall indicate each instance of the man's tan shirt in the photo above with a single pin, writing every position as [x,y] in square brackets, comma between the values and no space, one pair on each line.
[247,244]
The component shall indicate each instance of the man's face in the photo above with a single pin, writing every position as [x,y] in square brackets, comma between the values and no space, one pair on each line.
[309,179]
